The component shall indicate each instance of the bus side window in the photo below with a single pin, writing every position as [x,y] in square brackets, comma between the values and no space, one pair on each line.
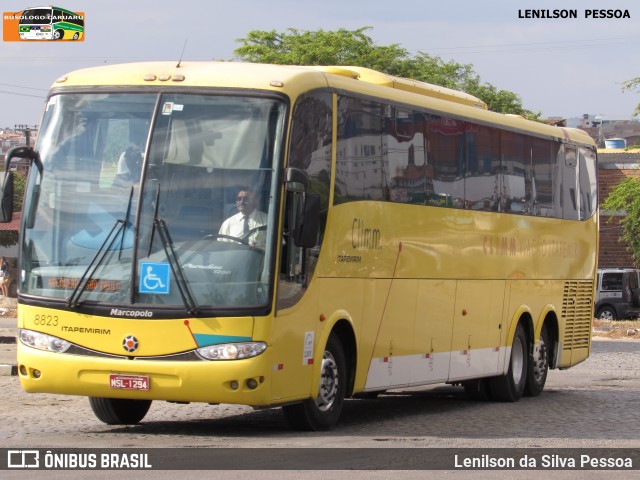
[309,152]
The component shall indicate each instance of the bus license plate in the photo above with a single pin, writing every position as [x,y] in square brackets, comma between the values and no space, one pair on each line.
[129,382]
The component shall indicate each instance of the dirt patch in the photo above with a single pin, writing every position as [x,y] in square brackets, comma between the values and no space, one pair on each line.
[7,307]
[617,329]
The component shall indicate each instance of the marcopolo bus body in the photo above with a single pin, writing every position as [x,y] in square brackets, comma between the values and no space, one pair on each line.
[50,23]
[397,234]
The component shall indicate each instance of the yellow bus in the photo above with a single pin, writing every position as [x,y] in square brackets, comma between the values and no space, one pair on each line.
[397,234]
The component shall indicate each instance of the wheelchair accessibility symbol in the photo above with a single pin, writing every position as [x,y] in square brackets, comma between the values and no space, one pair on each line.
[154,278]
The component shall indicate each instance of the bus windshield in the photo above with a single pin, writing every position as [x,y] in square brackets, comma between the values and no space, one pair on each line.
[146,199]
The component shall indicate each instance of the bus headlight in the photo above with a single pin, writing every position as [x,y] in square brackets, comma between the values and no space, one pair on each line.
[232,351]
[42,341]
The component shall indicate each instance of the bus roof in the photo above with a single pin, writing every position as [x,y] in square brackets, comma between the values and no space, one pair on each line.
[294,80]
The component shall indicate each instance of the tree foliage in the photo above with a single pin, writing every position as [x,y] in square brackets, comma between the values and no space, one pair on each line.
[356,48]
[625,197]
[633,85]
[19,183]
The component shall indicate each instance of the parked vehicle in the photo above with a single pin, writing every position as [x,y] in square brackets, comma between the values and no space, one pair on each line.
[617,293]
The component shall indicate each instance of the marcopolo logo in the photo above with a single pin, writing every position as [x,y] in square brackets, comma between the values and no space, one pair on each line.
[43,23]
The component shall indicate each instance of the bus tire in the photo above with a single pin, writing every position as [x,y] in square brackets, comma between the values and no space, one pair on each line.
[538,366]
[510,387]
[58,35]
[323,412]
[119,411]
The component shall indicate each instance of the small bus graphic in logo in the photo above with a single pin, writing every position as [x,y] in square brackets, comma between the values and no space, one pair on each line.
[44,23]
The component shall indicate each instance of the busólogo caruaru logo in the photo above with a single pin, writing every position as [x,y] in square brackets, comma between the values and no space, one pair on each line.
[43,23]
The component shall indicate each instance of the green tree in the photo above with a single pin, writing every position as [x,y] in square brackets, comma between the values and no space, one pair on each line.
[356,48]
[633,85]
[8,238]
[625,197]
[19,183]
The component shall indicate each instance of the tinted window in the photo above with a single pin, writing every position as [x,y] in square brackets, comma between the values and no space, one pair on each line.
[394,153]
[588,182]
[359,174]
[310,151]
[447,159]
[612,281]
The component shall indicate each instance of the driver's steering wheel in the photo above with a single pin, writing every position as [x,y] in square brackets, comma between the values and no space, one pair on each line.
[244,239]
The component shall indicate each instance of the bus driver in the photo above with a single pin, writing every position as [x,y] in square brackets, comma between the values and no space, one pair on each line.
[244,223]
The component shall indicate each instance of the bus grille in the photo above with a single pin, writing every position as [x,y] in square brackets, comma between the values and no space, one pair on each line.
[577,310]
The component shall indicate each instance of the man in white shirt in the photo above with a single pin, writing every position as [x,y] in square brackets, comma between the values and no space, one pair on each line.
[129,165]
[243,224]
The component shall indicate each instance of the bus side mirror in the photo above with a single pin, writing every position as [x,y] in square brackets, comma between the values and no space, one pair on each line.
[306,207]
[6,198]
[6,193]
[306,232]
[296,179]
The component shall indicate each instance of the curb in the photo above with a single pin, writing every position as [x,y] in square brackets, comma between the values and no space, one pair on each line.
[8,370]
[5,368]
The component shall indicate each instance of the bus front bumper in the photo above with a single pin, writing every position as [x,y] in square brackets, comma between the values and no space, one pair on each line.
[243,382]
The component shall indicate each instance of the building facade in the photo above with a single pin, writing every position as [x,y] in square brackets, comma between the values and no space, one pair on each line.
[613,167]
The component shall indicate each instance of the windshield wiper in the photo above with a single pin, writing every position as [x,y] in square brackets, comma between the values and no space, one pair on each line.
[183,286]
[72,301]
[118,227]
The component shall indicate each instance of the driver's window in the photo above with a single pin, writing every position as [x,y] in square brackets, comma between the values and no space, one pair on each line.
[310,151]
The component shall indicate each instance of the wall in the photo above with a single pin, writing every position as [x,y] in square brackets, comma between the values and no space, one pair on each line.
[612,169]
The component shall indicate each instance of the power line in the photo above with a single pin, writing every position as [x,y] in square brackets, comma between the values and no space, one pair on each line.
[21,94]
[26,88]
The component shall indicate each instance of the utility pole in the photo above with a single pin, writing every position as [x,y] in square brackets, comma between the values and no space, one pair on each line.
[27,129]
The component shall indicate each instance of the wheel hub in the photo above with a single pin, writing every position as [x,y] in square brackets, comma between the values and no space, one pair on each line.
[328,383]
[540,361]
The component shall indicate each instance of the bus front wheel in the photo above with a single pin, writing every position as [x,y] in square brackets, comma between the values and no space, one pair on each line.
[510,387]
[323,412]
[58,35]
[118,411]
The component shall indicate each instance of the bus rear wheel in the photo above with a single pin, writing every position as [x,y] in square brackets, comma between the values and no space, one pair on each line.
[510,387]
[323,412]
[119,411]
[538,366]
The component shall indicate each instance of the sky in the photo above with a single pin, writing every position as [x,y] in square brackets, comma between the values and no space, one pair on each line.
[559,67]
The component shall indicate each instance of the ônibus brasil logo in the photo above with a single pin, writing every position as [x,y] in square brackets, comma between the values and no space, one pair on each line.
[43,23]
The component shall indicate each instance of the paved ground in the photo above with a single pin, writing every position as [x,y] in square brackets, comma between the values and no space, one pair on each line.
[8,333]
